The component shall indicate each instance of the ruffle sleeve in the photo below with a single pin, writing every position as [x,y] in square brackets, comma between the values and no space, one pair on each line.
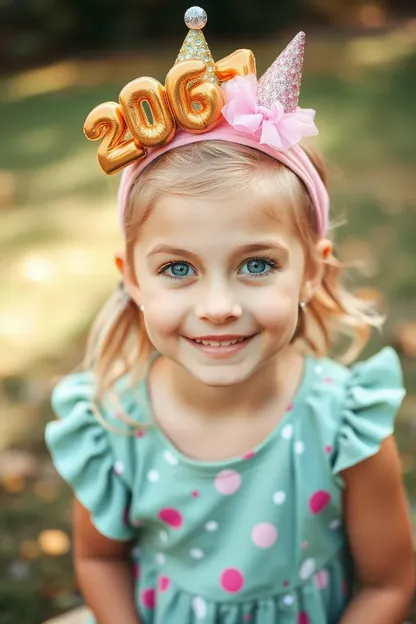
[374,392]
[82,453]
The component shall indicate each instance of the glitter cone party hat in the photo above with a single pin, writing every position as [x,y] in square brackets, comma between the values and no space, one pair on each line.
[195,46]
[281,82]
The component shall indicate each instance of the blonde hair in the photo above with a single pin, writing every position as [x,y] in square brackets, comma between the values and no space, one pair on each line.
[118,342]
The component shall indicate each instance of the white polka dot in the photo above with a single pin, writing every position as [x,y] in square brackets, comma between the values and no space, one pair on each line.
[170,458]
[288,600]
[200,607]
[211,526]
[196,553]
[153,476]
[279,498]
[318,369]
[299,447]
[335,524]
[164,537]
[307,568]
[160,558]
[119,467]
[287,432]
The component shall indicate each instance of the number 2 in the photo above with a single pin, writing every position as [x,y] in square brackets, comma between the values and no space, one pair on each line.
[107,122]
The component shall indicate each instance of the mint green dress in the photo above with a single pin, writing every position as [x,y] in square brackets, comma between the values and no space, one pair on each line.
[257,538]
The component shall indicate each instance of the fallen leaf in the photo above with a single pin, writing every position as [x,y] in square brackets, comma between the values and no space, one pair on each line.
[45,491]
[29,549]
[13,484]
[54,542]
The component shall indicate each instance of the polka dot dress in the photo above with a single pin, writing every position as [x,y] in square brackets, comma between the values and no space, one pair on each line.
[258,538]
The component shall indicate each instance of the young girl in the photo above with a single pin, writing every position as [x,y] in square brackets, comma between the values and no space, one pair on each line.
[225,469]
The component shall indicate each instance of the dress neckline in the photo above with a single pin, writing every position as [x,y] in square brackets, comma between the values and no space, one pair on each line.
[256,452]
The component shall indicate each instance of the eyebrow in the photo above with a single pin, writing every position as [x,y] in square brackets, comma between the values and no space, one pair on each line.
[250,248]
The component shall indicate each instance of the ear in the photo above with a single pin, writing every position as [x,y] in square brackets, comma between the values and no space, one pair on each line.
[314,274]
[128,276]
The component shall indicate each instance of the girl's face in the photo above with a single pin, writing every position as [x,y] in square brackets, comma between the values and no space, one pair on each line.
[220,282]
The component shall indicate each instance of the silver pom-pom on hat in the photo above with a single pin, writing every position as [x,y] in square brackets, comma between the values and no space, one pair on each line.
[196,18]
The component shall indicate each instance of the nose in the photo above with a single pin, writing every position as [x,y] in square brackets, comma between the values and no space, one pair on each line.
[218,305]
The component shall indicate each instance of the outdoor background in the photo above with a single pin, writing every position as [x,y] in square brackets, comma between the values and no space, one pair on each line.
[58,226]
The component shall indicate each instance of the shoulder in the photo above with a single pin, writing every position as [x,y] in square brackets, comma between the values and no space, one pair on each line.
[356,406]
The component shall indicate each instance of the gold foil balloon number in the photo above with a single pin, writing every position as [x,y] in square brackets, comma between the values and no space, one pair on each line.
[196,103]
[107,122]
[239,63]
[188,100]
[147,132]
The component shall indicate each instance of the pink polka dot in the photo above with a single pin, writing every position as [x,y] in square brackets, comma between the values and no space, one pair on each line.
[303,618]
[286,583]
[264,535]
[195,494]
[140,433]
[172,517]
[321,579]
[232,580]
[247,617]
[126,515]
[227,482]
[328,380]
[289,407]
[164,583]
[328,449]
[319,501]
[136,571]
[304,545]
[149,598]
[249,455]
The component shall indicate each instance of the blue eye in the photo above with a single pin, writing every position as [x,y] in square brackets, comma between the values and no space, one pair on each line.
[177,270]
[258,267]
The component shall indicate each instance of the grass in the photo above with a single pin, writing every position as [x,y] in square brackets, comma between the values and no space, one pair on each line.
[58,231]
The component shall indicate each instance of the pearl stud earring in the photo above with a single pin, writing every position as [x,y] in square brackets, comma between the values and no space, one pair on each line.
[303,305]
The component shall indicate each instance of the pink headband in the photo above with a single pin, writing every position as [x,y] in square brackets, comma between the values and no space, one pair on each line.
[294,158]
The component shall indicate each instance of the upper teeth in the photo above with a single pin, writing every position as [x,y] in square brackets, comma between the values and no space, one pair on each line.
[219,343]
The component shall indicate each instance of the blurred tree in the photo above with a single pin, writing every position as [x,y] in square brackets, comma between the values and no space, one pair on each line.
[32,30]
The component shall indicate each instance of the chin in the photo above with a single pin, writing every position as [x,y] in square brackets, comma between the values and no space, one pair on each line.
[221,377]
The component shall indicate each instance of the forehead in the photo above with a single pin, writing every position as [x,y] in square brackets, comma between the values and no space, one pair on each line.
[216,220]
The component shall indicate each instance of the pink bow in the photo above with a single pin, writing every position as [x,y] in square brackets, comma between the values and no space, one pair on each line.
[272,126]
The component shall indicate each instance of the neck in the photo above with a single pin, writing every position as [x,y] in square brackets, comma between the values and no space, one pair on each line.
[275,382]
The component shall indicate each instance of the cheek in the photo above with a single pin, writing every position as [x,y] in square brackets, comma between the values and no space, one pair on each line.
[162,317]
[278,314]
[278,304]
[161,309]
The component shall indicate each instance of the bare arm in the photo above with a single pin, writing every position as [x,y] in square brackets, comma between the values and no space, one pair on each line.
[380,538]
[104,572]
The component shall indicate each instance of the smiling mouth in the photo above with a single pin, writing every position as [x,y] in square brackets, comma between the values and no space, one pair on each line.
[217,341]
